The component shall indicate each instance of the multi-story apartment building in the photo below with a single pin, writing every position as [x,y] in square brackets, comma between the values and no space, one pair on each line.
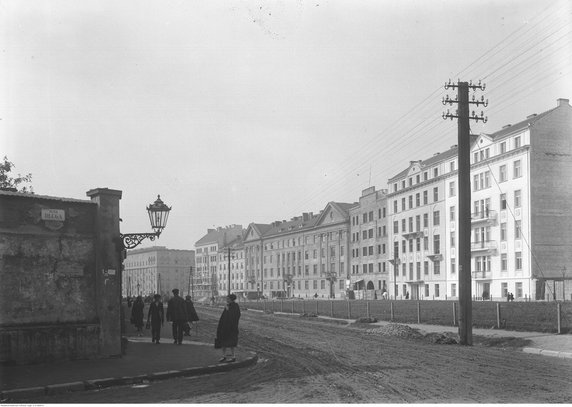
[231,273]
[304,257]
[521,193]
[205,276]
[416,202]
[369,245]
[157,270]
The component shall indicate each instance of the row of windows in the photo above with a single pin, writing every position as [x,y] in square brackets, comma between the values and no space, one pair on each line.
[478,156]
[368,216]
[409,203]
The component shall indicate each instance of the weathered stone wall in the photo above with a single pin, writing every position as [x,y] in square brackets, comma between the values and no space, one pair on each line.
[48,304]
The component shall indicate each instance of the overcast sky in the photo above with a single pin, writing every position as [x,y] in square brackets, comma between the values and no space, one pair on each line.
[252,111]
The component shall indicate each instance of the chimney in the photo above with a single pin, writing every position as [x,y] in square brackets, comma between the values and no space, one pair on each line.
[563,102]
[305,216]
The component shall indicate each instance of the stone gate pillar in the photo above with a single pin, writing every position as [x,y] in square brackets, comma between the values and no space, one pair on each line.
[108,269]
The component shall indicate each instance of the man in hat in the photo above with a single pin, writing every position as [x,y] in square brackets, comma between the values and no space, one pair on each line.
[177,314]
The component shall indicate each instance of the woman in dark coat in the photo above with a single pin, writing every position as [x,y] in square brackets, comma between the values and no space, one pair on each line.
[137,314]
[227,330]
[156,316]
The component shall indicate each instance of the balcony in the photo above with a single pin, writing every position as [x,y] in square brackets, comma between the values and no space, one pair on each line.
[484,246]
[437,256]
[483,275]
[412,235]
[486,216]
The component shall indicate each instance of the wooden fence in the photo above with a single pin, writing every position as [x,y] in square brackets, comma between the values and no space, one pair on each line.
[517,316]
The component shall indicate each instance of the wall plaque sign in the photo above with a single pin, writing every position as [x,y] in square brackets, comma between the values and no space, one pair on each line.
[53,218]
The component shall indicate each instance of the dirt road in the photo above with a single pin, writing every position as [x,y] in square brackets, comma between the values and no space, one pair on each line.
[306,360]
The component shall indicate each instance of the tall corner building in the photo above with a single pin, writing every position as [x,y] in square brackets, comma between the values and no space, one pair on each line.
[521,199]
[206,277]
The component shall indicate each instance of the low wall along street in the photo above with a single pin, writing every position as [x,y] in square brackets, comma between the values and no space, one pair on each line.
[49,257]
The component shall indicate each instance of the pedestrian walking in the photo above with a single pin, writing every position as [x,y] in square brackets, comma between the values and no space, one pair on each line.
[191,315]
[156,318]
[177,314]
[137,315]
[227,329]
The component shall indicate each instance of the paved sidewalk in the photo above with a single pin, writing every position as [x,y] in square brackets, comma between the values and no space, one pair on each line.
[144,361]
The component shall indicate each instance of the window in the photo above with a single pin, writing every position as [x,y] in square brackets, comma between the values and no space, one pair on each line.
[410,245]
[517,172]
[395,206]
[417,223]
[425,176]
[517,199]
[517,142]
[436,218]
[418,199]
[435,172]
[453,239]
[437,267]
[418,244]
[503,147]
[417,179]
[518,260]
[452,166]
[453,290]
[411,224]
[503,201]
[404,246]
[517,231]
[404,270]
[410,181]
[425,198]
[436,290]
[453,266]
[395,226]
[403,203]
[452,188]
[403,226]
[426,268]
[435,194]
[502,173]
[452,214]
[410,201]
[436,244]
[395,187]
[503,231]
[426,290]
[425,220]
[503,262]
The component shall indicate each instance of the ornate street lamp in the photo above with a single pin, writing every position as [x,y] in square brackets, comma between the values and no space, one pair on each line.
[158,215]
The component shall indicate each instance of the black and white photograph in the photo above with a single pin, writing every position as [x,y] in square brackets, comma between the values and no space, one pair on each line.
[285,202]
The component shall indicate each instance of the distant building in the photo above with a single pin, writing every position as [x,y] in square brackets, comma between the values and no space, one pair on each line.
[369,249]
[521,193]
[157,270]
[304,257]
[206,273]
[231,268]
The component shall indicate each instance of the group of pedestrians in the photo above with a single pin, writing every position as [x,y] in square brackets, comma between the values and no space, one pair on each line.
[181,313]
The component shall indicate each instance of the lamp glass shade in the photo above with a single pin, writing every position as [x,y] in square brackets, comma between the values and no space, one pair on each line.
[158,215]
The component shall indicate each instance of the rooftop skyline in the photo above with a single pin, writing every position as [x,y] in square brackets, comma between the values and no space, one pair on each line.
[250,112]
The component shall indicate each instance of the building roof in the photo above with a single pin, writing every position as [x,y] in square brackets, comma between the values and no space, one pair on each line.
[34,196]
[220,236]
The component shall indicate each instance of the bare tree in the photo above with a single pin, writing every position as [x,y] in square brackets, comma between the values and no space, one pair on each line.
[19,183]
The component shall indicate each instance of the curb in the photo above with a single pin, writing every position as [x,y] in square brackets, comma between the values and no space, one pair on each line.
[95,384]
[551,353]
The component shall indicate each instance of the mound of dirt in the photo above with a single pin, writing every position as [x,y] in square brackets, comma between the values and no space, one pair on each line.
[398,330]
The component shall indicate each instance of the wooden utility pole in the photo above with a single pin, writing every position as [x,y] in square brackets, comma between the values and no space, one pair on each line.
[464,187]
[228,292]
